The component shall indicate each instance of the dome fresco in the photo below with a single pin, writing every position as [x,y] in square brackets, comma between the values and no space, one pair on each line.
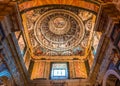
[59,30]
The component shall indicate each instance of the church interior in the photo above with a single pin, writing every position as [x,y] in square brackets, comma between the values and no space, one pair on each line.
[39,44]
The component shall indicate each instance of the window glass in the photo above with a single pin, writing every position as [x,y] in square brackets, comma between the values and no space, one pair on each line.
[59,71]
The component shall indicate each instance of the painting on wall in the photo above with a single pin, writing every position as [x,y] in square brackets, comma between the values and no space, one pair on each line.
[22,45]
[27,60]
[115,33]
[21,42]
[78,51]
[17,34]
[80,69]
[114,59]
[38,70]
[115,36]
[95,42]
[41,69]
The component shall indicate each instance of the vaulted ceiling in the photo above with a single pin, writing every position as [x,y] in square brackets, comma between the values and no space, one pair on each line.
[91,5]
[61,27]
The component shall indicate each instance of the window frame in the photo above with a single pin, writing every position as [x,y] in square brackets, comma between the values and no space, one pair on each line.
[67,76]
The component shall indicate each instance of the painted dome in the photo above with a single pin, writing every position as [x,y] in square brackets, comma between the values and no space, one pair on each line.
[59,30]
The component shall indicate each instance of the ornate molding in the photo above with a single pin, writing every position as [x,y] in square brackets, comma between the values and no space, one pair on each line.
[65,32]
[59,30]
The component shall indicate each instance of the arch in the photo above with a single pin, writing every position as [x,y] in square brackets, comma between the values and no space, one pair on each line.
[93,6]
[5,73]
[107,74]
[5,78]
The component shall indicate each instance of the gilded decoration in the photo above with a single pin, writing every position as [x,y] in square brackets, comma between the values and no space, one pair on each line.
[59,30]
[80,68]
[38,70]
[90,5]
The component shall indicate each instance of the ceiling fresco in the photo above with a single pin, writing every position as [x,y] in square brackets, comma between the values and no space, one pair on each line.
[59,29]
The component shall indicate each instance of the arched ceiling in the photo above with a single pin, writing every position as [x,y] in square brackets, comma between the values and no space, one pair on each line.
[92,5]
[59,29]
